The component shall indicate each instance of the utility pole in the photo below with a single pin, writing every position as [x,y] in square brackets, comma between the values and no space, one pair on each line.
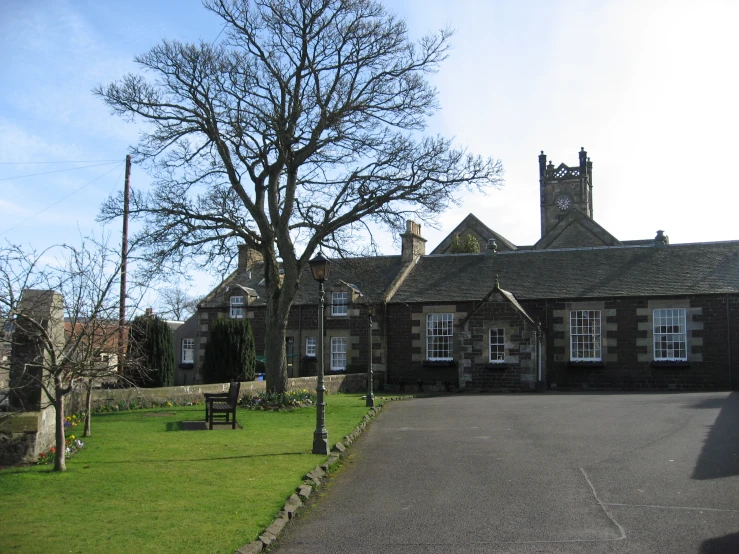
[124,256]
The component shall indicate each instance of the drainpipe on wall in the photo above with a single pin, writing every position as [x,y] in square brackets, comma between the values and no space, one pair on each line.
[728,342]
[385,352]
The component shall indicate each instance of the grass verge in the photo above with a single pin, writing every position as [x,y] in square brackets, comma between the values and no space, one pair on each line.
[141,484]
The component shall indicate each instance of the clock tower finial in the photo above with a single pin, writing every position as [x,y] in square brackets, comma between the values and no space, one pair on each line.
[564,188]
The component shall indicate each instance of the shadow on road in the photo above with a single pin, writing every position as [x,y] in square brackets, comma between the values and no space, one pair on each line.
[728,544]
[720,454]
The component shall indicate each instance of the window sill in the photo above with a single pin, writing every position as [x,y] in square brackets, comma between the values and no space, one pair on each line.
[670,364]
[439,363]
[309,358]
[186,365]
[586,365]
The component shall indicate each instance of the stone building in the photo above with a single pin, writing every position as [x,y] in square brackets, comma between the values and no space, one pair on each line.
[579,309]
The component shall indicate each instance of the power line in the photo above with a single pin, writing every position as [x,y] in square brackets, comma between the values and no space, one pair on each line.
[117,180]
[62,162]
[61,199]
[219,34]
[56,171]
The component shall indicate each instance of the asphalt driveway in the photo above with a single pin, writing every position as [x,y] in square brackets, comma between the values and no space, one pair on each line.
[564,473]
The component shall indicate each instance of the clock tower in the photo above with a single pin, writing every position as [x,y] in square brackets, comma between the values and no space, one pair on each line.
[563,189]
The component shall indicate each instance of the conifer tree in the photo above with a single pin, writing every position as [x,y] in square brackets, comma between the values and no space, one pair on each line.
[230,354]
[469,245]
[456,246]
[151,351]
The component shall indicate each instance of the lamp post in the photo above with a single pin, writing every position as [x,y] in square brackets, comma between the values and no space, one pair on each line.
[370,394]
[320,268]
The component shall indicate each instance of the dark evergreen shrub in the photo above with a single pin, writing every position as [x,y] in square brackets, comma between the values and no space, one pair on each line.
[230,354]
[151,354]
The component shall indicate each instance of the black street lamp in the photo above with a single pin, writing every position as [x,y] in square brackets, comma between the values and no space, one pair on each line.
[370,394]
[320,268]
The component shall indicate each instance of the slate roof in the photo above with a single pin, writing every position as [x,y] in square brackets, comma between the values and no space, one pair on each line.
[678,269]
[574,217]
[371,275]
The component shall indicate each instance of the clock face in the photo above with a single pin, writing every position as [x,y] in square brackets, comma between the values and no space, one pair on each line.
[563,202]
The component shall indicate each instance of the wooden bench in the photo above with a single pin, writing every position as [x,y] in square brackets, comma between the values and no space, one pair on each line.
[222,405]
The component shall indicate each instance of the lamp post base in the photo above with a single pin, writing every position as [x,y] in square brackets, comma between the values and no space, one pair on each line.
[370,401]
[320,444]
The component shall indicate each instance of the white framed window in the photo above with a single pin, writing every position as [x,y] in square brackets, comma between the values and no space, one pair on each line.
[339,303]
[670,336]
[338,353]
[585,336]
[497,346]
[188,351]
[439,332]
[237,307]
[310,347]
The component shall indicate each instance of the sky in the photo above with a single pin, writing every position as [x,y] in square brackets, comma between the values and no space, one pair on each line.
[649,88]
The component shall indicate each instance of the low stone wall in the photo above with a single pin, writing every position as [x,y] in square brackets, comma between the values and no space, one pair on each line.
[25,435]
[351,383]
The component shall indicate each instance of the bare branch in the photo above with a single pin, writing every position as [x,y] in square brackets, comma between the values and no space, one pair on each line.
[303,126]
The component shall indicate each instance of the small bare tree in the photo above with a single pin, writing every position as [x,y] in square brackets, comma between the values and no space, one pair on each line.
[76,286]
[302,129]
[176,304]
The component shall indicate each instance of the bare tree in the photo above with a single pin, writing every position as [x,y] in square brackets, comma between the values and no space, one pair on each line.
[302,130]
[176,304]
[77,289]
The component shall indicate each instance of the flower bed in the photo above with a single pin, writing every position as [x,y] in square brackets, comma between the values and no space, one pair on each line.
[72,443]
[289,400]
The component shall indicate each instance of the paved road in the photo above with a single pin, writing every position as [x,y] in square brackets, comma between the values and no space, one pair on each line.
[553,473]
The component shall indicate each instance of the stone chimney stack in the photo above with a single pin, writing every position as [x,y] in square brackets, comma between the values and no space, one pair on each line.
[492,247]
[413,243]
[248,256]
[661,239]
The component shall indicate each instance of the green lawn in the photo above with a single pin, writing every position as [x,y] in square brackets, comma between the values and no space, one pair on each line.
[143,485]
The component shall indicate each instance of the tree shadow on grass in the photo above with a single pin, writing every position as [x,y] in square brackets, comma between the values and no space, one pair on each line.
[200,426]
[212,459]
[719,456]
[24,469]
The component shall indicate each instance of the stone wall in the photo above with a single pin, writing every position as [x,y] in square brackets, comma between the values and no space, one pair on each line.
[627,360]
[399,344]
[303,323]
[518,370]
[25,435]
[351,383]
[406,347]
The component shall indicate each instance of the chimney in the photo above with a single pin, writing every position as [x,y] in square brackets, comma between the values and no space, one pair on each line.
[492,247]
[248,256]
[149,312]
[413,243]
[661,239]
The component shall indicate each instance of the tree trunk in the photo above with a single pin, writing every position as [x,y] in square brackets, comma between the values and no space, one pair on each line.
[274,349]
[88,409]
[60,463]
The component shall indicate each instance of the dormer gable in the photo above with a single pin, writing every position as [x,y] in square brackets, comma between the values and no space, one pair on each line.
[575,230]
